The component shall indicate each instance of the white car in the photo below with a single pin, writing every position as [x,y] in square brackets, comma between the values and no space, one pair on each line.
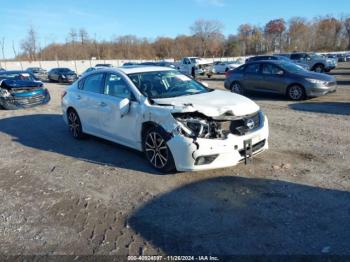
[176,121]
[223,67]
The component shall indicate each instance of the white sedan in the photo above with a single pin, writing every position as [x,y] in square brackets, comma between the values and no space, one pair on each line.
[223,67]
[178,123]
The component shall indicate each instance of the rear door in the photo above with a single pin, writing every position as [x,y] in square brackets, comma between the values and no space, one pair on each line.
[88,100]
[252,77]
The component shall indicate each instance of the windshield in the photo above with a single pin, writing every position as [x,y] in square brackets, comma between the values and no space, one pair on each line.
[315,56]
[166,84]
[194,60]
[17,76]
[292,68]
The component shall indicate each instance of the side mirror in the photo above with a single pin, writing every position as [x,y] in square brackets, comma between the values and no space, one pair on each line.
[280,73]
[124,107]
[205,84]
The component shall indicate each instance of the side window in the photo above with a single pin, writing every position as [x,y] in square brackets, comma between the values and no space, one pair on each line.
[269,69]
[117,87]
[187,61]
[295,56]
[93,83]
[252,68]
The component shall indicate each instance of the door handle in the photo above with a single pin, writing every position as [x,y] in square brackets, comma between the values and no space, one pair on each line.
[78,97]
[102,104]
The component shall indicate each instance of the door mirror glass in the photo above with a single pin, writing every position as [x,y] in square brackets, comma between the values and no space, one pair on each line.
[124,107]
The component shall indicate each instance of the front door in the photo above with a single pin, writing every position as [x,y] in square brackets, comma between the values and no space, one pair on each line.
[121,129]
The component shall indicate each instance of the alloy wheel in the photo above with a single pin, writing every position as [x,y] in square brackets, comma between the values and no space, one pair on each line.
[236,88]
[295,92]
[74,124]
[156,150]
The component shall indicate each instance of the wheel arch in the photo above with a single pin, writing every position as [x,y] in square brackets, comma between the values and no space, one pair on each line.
[317,64]
[150,124]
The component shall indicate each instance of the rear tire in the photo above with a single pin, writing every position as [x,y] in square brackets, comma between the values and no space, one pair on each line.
[237,88]
[157,152]
[296,93]
[74,124]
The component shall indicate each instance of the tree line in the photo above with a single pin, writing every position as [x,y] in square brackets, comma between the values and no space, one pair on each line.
[320,34]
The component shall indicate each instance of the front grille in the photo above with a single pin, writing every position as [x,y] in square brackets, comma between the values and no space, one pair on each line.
[242,126]
[29,100]
[256,148]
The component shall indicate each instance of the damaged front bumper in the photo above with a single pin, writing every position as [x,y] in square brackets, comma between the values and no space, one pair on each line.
[25,100]
[203,153]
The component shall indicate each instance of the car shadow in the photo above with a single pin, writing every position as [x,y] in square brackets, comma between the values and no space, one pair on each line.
[244,216]
[48,132]
[265,96]
[336,108]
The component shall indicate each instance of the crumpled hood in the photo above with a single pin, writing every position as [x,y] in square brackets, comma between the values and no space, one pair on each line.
[212,104]
[12,84]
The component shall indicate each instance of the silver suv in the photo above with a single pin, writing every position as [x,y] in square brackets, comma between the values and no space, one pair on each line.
[316,62]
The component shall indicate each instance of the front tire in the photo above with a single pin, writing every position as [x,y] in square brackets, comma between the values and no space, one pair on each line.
[157,152]
[74,124]
[296,92]
[319,68]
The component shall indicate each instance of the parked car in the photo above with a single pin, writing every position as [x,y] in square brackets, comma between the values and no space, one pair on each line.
[341,57]
[159,63]
[316,62]
[19,89]
[279,77]
[277,57]
[104,65]
[130,64]
[196,66]
[62,75]
[176,121]
[39,73]
[91,69]
[221,67]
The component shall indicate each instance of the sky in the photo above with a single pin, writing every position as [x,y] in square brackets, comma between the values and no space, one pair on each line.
[106,19]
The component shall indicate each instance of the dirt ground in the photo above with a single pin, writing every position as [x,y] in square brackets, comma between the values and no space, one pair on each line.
[62,196]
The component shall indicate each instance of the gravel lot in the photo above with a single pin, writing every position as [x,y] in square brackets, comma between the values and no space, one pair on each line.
[61,196]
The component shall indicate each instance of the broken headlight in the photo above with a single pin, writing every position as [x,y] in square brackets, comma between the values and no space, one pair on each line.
[195,127]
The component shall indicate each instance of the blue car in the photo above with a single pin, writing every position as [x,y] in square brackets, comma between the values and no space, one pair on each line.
[19,89]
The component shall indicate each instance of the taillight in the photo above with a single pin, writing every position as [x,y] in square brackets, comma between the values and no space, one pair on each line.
[229,73]
[63,94]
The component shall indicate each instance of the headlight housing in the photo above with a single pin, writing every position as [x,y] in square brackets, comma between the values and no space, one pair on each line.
[194,127]
[315,81]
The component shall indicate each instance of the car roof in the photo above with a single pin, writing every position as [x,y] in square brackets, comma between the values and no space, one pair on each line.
[141,69]
[278,62]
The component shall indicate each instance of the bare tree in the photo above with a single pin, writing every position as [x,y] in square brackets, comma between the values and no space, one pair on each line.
[2,43]
[29,44]
[206,31]
[83,35]
[347,29]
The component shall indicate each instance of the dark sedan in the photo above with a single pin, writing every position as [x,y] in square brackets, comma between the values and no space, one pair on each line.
[19,89]
[62,75]
[279,77]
